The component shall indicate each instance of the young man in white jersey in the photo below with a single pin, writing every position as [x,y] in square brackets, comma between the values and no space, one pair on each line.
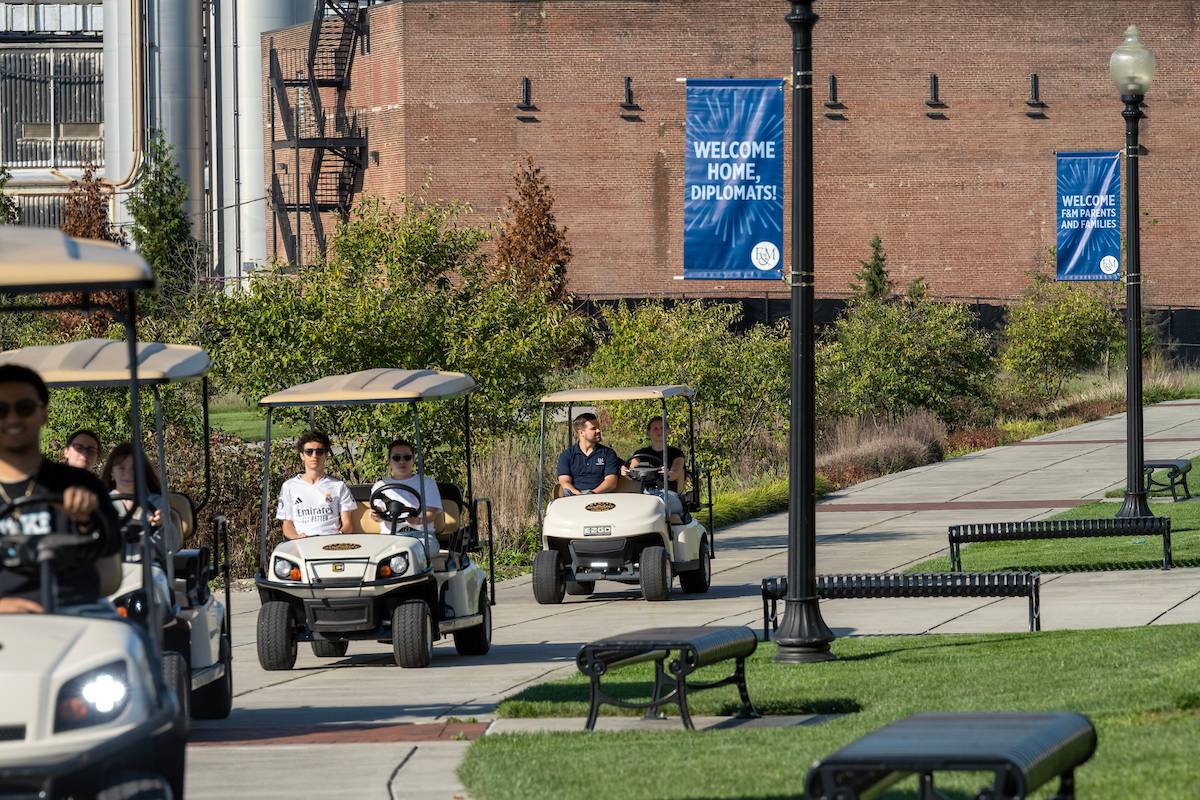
[313,503]
[402,472]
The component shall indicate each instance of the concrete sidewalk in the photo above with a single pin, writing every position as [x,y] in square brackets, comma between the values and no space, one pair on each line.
[282,723]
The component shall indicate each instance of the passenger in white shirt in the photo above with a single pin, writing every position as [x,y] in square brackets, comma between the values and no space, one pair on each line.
[312,503]
[402,472]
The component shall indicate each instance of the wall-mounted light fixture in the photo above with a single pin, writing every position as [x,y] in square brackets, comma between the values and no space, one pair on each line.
[833,103]
[935,99]
[630,110]
[526,106]
[375,158]
[1036,106]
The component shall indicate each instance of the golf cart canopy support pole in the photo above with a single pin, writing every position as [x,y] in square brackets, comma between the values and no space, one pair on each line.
[266,500]
[541,467]
[207,445]
[421,478]
[160,441]
[467,436]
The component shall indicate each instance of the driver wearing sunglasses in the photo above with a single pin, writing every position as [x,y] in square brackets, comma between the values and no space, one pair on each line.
[25,472]
[402,467]
[314,503]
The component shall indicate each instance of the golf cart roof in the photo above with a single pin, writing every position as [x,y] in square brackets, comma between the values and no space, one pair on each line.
[105,363]
[44,260]
[625,393]
[375,386]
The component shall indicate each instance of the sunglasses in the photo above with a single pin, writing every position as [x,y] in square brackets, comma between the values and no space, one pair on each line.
[399,457]
[23,408]
[314,451]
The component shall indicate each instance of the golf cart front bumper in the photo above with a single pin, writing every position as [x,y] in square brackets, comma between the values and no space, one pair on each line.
[135,749]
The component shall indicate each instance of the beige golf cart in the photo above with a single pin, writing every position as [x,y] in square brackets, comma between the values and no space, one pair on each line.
[401,588]
[195,623]
[90,702]
[638,535]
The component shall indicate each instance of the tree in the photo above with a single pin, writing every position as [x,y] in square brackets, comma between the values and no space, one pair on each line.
[10,212]
[875,283]
[161,229]
[531,248]
[405,285]
[85,211]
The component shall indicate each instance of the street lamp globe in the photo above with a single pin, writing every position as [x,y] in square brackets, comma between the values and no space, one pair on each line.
[1132,65]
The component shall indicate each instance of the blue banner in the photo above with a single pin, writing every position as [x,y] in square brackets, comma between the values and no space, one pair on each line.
[1089,216]
[733,180]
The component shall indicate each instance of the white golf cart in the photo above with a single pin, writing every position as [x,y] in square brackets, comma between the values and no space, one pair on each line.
[90,704]
[632,535]
[195,623]
[331,590]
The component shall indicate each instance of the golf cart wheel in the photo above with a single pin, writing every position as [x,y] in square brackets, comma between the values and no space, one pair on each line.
[135,786]
[655,574]
[698,580]
[548,583]
[412,634]
[276,641]
[580,588]
[476,641]
[177,678]
[215,700]
[327,649]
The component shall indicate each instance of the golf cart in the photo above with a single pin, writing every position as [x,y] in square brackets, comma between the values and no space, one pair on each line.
[90,704]
[195,623]
[629,536]
[363,586]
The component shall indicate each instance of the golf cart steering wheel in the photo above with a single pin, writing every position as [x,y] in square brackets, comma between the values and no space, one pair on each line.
[133,509]
[394,510]
[647,470]
[29,550]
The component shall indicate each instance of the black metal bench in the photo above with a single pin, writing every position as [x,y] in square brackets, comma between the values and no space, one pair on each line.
[921,584]
[1058,529]
[1177,470]
[1022,751]
[695,648]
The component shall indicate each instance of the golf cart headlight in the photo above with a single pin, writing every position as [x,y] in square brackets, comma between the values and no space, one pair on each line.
[286,570]
[93,698]
[394,566]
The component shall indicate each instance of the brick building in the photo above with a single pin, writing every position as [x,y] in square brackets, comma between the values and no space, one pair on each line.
[964,198]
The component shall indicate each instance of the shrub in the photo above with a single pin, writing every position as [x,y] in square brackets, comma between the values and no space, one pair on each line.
[405,285]
[1058,330]
[10,212]
[860,448]
[741,380]
[884,359]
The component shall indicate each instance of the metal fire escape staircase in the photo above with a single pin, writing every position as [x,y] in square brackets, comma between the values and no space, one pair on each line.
[327,146]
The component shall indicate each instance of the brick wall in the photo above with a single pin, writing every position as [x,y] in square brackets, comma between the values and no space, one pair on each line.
[966,201]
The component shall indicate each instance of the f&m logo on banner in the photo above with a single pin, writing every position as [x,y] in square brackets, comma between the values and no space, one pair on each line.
[733,179]
[1089,216]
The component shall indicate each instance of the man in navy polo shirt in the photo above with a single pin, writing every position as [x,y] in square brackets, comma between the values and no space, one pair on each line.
[588,467]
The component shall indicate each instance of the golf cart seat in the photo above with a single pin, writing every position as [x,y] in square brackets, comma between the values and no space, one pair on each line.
[192,568]
[183,513]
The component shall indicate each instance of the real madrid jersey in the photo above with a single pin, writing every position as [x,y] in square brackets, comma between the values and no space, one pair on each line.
[314,508]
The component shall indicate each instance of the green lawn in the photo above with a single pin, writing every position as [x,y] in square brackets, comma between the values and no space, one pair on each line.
[234,415]
[1140,686]
[1084,555]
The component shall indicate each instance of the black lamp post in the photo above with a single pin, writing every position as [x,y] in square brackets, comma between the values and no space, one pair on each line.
[803,636]
[1131,69]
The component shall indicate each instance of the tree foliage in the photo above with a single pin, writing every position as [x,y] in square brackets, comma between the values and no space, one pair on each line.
[10,211]
[531,248]
[1057,330]
[873,276]
[741,379]
[161,229]
[85,210]
[405,285]
[886,358]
